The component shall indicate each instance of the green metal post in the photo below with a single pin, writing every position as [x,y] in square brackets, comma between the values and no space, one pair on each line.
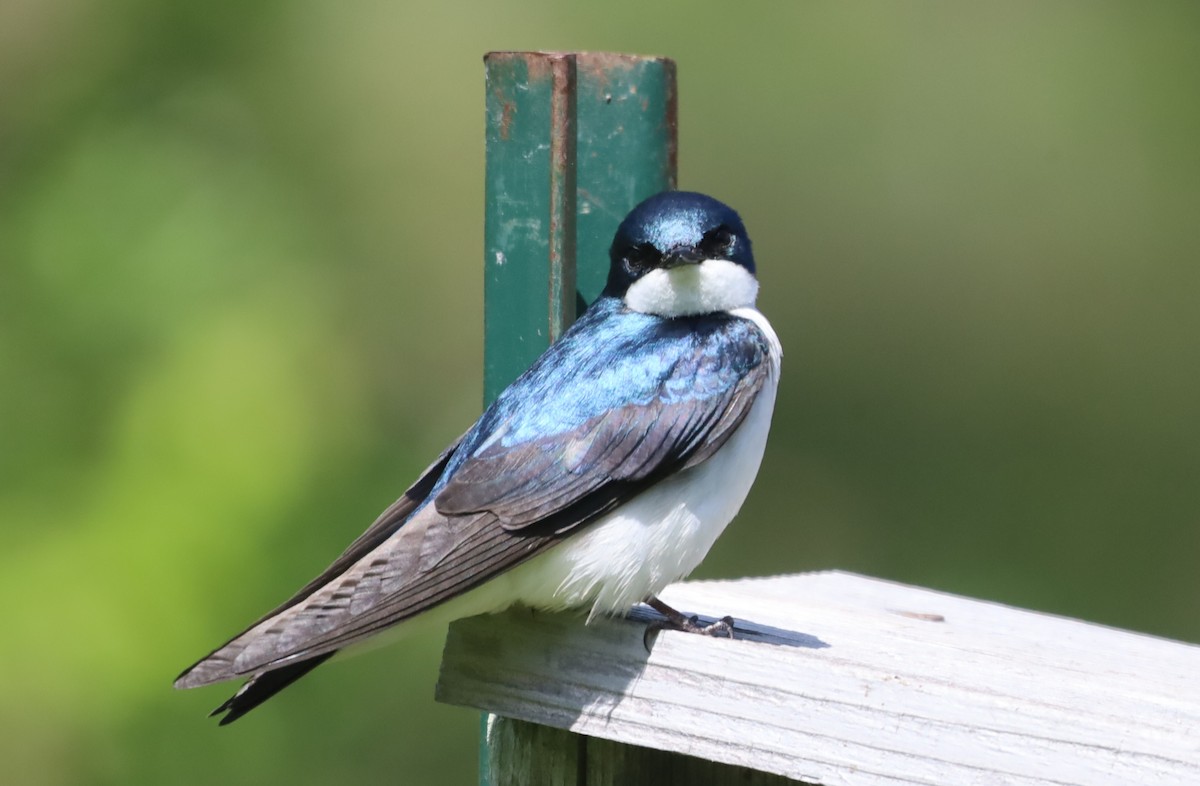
[574,141]
[626,150]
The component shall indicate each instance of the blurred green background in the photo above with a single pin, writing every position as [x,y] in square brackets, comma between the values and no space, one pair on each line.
[231,233]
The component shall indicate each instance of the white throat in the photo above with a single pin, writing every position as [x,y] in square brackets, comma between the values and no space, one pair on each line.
[711,286]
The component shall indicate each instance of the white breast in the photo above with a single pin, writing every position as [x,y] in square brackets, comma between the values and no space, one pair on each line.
[659,536]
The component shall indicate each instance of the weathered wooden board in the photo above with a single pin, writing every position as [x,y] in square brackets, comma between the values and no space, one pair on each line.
[842,679]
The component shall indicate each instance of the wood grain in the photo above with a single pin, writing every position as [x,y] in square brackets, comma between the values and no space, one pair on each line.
[842,679]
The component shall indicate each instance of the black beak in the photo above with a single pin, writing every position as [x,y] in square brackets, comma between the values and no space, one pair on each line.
[676,257]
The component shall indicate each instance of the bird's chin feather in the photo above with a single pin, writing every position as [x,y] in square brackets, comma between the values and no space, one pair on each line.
[712,286]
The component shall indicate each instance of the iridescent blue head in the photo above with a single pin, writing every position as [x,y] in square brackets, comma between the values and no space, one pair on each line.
[681,253]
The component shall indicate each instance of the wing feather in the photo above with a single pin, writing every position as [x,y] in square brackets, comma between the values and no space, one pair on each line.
[495,499]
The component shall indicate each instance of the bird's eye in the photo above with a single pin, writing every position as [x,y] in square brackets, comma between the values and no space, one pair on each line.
[716,242]
[641,258]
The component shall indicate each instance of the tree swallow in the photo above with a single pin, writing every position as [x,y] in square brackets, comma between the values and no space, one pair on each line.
[602,474]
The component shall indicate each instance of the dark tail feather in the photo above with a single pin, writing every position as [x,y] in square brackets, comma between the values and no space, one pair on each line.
[263,686]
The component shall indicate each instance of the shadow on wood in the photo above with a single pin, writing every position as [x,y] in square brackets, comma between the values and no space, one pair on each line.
[743,630]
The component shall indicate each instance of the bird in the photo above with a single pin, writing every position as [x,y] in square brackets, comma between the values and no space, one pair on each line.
[605,472]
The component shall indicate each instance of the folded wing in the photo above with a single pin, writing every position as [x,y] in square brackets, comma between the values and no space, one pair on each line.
[514,486]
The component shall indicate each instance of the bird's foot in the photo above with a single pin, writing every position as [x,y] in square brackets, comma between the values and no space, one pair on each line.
[675,620]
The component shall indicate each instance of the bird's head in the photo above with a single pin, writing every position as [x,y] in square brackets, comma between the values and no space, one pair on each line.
[681,254]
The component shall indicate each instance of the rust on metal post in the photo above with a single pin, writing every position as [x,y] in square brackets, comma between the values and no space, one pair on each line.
[561,308]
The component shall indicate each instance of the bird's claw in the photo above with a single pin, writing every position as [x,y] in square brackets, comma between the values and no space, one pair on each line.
[722,627]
